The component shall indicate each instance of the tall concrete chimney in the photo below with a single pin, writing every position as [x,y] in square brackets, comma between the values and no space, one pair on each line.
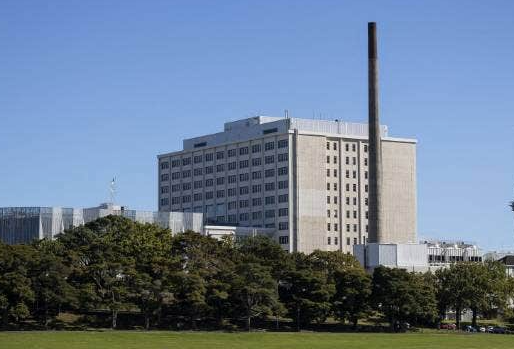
[375,148]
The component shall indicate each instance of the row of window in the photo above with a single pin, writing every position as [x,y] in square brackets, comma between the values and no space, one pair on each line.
[268,200]
[256,148]
[282,171]
[347,146]
[336,241]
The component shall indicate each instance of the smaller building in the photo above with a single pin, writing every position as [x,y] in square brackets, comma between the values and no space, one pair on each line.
[422,257]
[21,225]
[508,261]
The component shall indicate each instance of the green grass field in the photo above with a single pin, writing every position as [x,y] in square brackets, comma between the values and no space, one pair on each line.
[214,340]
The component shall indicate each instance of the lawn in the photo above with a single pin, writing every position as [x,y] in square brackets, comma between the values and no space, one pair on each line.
[214,340]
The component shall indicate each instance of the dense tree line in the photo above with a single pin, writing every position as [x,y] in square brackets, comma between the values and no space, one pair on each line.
[115,265]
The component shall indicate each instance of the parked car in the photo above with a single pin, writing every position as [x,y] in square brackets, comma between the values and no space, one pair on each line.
[448,327]
[499,330]
[482,329]
[469,328]
[490,329]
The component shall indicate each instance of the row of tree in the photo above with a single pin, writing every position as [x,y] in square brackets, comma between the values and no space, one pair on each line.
[115,265]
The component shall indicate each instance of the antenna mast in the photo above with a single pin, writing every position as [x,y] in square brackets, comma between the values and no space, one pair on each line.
[112,190]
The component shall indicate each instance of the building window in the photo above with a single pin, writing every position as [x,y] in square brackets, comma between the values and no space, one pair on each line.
[335,213]
[269,213]
[282,212]
[256,148]
[354,174]
[347,147]
[232,179]
[365,148]
[355,228]
[232,165]
[256,175]
[269,173]
[164,201]
[231,153]
[335,199]
[335,186]
[335,159]
[347,173]
[244,216]
[198,171]
[269,146]
[257,188]
[355,201]
[354,187]
[165,177]
[269,200]
[283,198]
[243,151]
[283,240]
[328,240]
[367,215]
[347,187]
[347,160]
[335,173]
[186,198]
[220,180]
[186,174]
[243,203]
[209,195]
[197,159]
[328,145]
[366,201]
[336,227]
[197,196]
[209,182]
[348,229]
[186,161]
[328,226]
[231,192]
[243,164]
[165,189]
[365,174]
[175,200]
[347,200]
[353,147]
[328,159]
[328,199]
[283,157]
[209,157]
[186,186]
[282,171]
[283,184]
[256,162]
[243,190]
[269,159]
[334,146]
[328,186]
[175,163]
[209,169]
[354,160]
[348,241]
[165,165]
[175,188]
[365,161]
[220,194]
[232,218]
[220,168]
[354,214]
[282,143]
[269,186]
[256,202]
[328,172]
[335,240]
[243,177]
[220,155]
[355,241]
[328,213]
[347,214]
[366,188]
[232,205]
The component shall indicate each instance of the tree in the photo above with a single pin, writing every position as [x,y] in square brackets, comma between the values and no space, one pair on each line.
[254,291]
[305,292]
[16,293]
[402,296]
[103,269]
[352,294]
[49,276]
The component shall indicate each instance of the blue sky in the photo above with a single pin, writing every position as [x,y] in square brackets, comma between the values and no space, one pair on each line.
[95,89]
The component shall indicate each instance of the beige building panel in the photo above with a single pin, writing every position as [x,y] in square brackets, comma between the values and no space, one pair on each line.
[399,191]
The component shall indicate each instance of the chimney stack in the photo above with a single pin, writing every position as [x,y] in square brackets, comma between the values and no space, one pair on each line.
[375,148]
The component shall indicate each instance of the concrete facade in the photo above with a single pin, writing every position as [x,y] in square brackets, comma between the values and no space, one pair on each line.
[306,179]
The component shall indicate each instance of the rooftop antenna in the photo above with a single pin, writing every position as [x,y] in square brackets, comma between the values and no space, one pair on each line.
[286,114]
[112,190]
